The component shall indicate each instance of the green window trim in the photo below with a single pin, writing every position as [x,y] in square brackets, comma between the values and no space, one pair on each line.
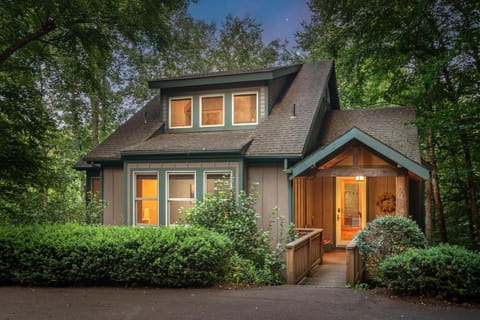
[162,180]
[228,110]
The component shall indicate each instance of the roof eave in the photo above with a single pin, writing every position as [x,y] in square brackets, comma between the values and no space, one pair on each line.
[291,156]
[357,134]
[179,153]
[224,78]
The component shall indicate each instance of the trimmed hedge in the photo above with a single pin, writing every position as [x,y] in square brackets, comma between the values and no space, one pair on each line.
[446,271]
[59,255]
[387,236]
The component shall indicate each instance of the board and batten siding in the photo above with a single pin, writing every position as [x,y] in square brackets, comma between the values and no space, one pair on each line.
[273,192]
[375,187]
[113,195]
[314,203]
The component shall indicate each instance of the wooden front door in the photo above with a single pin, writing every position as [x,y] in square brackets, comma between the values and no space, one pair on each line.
[350,215]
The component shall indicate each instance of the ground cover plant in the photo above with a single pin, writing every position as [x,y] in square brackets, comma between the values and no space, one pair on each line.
[58,255]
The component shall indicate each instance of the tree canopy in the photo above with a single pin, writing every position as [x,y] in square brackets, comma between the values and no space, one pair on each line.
[423,53]
[72,71]
[55,61]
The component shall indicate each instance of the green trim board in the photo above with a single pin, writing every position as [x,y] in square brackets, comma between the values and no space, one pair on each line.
[227,95]
[224,78]
[359,135]
[125,193]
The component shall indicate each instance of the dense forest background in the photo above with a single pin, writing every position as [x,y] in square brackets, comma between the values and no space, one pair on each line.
[73,71]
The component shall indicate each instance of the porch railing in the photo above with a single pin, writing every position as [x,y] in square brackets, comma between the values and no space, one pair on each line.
[355,264]
[303,254]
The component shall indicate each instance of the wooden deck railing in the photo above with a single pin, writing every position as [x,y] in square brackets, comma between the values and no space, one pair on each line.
[355,264]
[304,254]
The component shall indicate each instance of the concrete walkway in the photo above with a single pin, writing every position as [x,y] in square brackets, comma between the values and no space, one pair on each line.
[332,273]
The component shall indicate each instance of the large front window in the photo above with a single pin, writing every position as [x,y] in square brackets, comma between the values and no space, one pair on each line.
[212,111]
[181,195]
[244,108]
[146,199]
[181,113]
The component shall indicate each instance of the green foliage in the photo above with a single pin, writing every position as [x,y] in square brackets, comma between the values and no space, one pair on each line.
[240,46]
[58,255]
[421,53]
[387,236]
[61,63]
[254,260]
[447,271]
[240,271]
[72,71]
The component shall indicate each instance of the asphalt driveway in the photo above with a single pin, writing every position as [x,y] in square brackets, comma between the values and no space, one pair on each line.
[281,302]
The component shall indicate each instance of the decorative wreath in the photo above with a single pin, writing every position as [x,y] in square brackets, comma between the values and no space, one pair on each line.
[386,203]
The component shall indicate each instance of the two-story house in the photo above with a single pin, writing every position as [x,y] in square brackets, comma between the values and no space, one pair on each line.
[280,127]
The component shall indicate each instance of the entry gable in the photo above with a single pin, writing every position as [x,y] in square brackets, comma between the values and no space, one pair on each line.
[352,135]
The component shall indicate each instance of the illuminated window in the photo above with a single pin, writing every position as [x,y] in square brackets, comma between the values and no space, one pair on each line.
[95,187]
[218,182]
[181,113]
[181,195]
[146,199]
[212,111]
[245,108]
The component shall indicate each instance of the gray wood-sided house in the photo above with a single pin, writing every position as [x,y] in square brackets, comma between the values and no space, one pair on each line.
[280,127]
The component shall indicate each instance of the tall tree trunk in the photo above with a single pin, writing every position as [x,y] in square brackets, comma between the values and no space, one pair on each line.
[428,210]
[95,119]
[430,157]
[471,183]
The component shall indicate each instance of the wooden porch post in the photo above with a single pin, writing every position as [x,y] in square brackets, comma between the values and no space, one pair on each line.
[401,196]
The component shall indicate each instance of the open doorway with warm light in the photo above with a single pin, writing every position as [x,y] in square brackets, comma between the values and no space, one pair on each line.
[351,208]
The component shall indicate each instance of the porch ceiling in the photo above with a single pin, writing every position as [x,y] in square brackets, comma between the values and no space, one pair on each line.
[355,134]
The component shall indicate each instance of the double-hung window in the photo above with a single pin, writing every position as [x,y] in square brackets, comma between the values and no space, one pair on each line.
[245,108]
[180,112]
[181,195]
[211,111]
[146,198]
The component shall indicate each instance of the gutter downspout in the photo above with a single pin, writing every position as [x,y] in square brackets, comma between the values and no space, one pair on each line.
[288,171]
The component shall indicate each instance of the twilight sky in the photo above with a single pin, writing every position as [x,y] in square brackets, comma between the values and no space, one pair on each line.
[279,18]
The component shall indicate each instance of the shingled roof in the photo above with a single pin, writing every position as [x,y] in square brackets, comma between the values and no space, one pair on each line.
[193,142]
[393,126]
[282,134]
[279,135]
[141,126]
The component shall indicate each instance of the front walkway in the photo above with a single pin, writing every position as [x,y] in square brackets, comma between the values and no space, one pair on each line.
[332,273]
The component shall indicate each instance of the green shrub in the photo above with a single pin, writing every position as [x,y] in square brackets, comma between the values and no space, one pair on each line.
[387,236]
[447,271]
[239,271]
[236,218]
[58,255]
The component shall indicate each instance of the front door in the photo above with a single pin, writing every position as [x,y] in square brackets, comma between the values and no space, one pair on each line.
[350,215]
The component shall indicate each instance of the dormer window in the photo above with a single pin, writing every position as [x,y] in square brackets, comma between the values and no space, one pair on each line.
[180,112]
[245,108]
[211,111]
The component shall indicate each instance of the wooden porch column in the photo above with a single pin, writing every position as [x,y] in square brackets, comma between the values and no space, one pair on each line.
[401,206]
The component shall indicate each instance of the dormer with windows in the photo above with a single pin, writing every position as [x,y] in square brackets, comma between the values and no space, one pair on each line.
[210,110]
[222,101]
